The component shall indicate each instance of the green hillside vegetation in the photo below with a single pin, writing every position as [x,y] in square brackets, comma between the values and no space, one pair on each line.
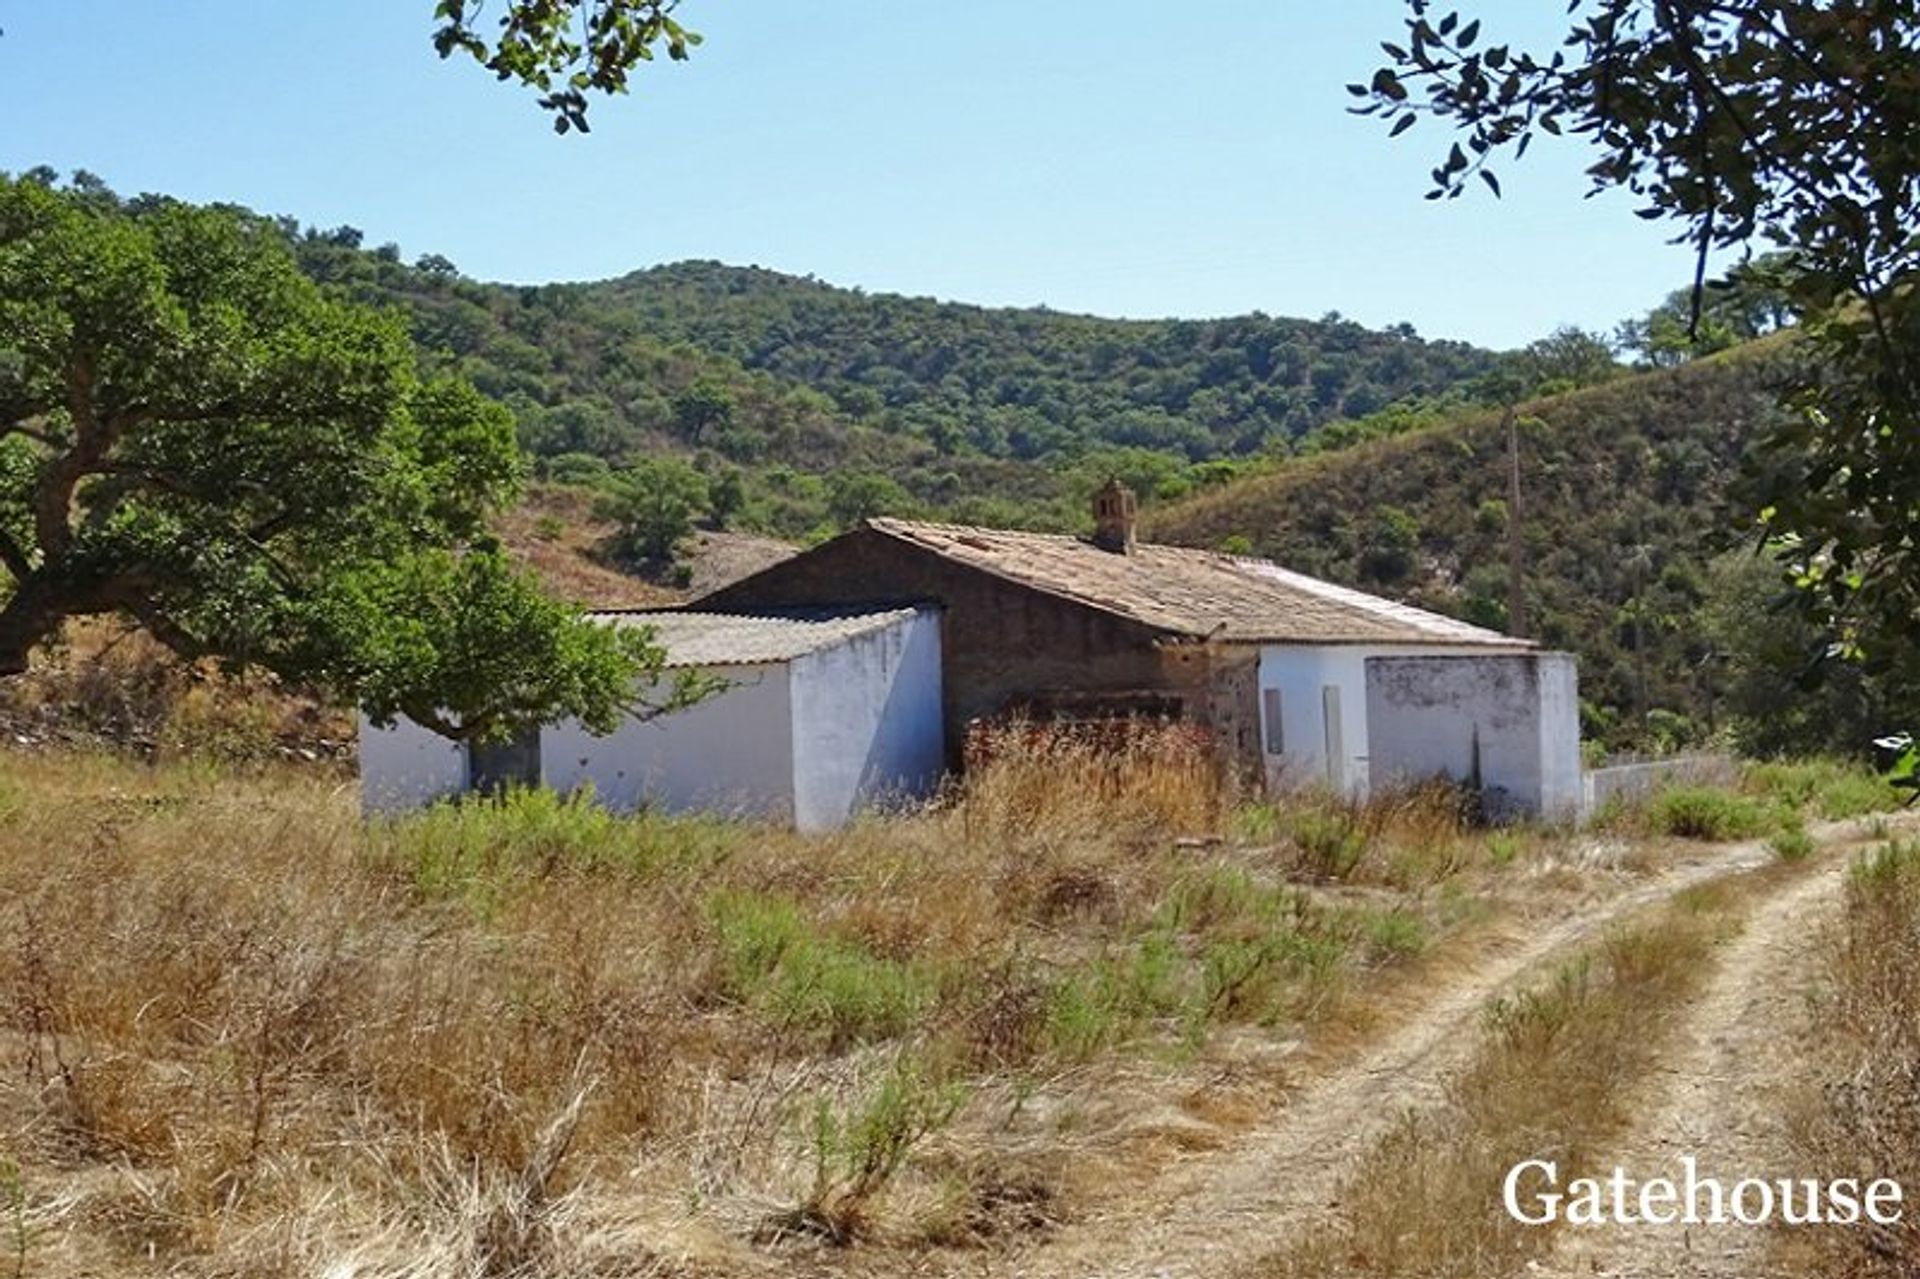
[809,407]
[1632,528]
[1032,383]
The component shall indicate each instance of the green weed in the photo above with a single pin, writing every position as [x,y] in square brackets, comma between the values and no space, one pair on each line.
[1331,841]
[1697,812]
[1792,844]
[860,1147]
[777,959]
[1396,934]
[477,849]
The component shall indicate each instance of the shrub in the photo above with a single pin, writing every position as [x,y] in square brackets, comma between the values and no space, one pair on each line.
[1792,844]
[859,1147]
[1830,789]
[1396,934]
[1503,847]
[1702,813]
[476,849]
[1330,840]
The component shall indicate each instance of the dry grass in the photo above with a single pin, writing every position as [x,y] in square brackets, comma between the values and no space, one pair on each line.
[1549,1081]
[244,1034]
[1865,1121]
[554,532]
[111,685]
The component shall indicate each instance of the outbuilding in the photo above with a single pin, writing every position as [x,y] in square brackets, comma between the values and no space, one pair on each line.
[1300,682]
[820,713]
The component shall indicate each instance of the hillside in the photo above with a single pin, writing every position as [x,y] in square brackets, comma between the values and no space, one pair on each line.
[831,404]
[1627,496]
[1030,382]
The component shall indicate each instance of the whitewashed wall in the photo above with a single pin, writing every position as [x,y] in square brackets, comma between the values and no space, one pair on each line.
[1525,707]
[1433,714]
[1301,675]
[730,753]
[867,724]
[1562,776]
[406,766]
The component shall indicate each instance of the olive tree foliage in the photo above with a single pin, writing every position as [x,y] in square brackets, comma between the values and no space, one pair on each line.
[1790,123]
[196,437]
[562,48]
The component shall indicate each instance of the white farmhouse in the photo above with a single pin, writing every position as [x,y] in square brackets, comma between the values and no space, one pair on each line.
[1299,682]
[822,713]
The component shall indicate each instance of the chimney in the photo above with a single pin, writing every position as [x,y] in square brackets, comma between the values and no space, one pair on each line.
[1113,517]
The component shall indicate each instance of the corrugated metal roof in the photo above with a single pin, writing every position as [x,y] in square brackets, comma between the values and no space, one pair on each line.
[1202,594]
[732,639]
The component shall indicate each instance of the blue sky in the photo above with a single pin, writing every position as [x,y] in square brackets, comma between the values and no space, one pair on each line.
[1122,158]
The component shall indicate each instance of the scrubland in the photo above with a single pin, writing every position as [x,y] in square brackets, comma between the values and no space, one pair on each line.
[244,1033]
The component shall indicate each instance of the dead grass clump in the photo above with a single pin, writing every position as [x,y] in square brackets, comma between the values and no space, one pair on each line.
[1053,779]
[1865,1121]
[1549,1081]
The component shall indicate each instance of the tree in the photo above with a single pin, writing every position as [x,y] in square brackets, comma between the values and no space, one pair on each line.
[654,502]
[1789,122]
[704,406]
[726,495]
[1748,302]
[1761,661]
[853,496]
[192,435]
[1566,360]
[564,48]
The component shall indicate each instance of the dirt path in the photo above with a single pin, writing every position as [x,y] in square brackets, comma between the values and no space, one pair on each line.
[1224,1210]
[1719,1096]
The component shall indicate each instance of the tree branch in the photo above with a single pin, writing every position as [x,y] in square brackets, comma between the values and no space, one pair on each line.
[13,558]
[53,498]
[32,433]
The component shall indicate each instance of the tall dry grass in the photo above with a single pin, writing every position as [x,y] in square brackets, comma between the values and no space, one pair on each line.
[1864,1122]
[244,1033]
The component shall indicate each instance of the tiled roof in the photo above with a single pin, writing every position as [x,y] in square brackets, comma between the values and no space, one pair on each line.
[1202,594]
[729,639]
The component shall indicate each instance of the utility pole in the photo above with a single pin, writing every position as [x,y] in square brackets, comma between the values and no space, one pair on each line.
[1516,547]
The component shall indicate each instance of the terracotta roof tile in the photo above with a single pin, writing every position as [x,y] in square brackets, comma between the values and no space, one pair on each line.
[1202,594]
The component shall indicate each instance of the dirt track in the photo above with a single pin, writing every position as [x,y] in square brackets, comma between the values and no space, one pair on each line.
[1218,1212]
[1720,1095]
[1223,1210]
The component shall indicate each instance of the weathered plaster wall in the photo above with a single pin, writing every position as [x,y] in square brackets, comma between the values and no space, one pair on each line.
[731,753]
[1562,779]
[1512,718]
[866,722]
[407,766]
